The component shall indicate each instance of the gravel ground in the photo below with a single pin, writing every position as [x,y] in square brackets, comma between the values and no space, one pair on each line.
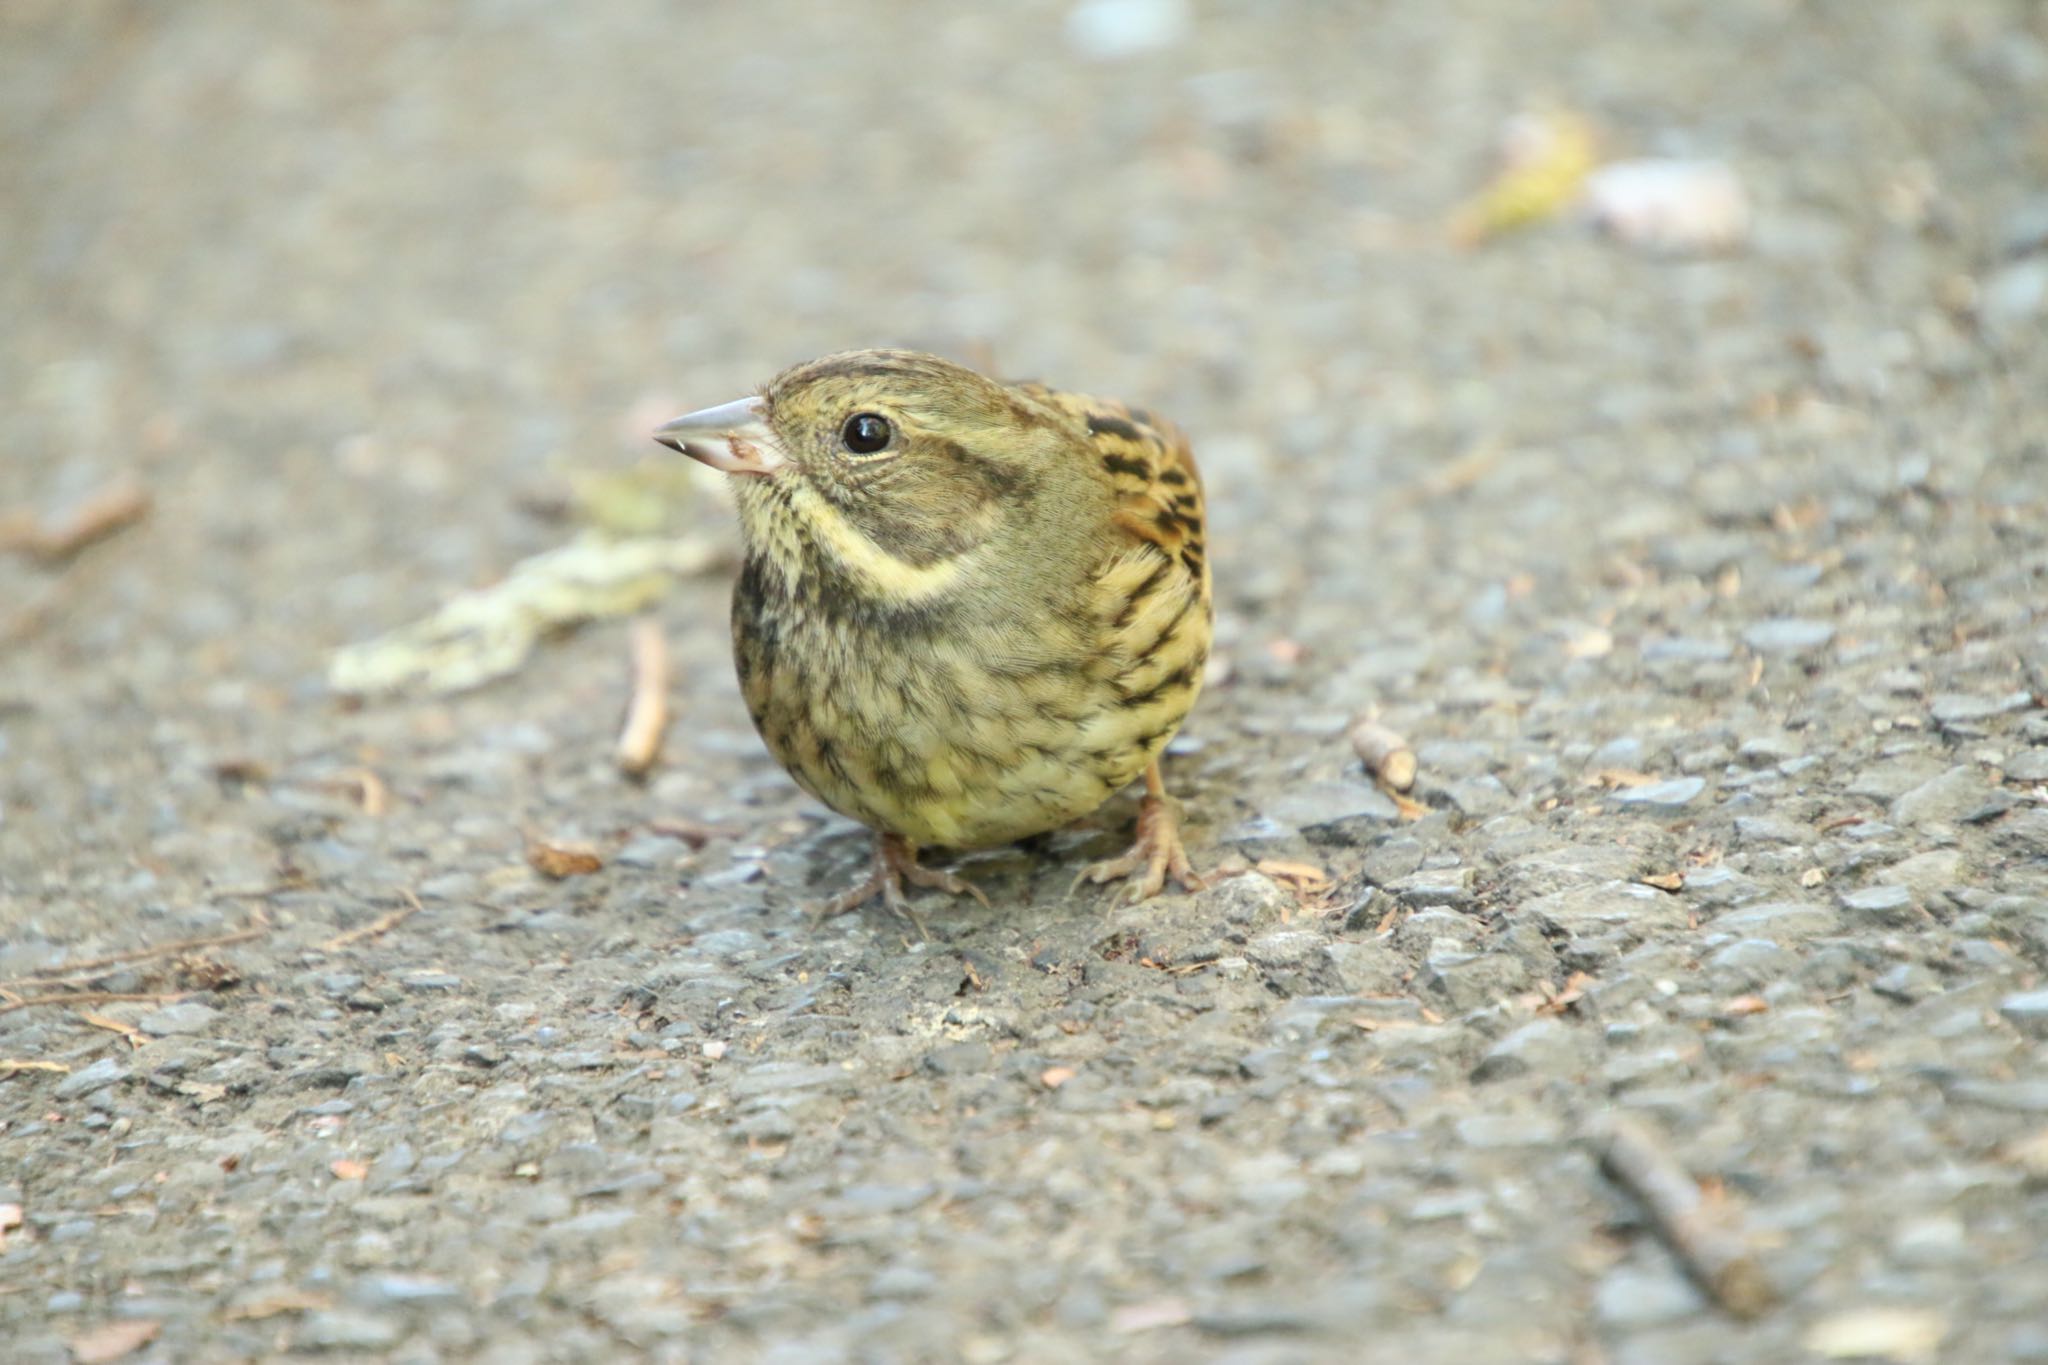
[1728,574]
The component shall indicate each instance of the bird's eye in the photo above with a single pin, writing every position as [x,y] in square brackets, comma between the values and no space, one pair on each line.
[865,433]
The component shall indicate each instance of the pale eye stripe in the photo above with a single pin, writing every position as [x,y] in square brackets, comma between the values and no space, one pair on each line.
[868,563]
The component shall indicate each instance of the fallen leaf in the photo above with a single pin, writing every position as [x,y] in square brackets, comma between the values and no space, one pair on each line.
[111,1341]
[1546,158]
[347,1169]
[1813,876]
[1410,810]
[1618,777]
[1053,1077]
[1745,1004]
[10,1219]
[277,1301]
[1898,1334]
[556,861]
[112,1025]
[1664,881]
[1304,877]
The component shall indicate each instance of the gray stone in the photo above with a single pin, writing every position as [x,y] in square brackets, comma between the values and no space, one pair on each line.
[2025,832]
[1336,810]
[1685,649]
[1960,708]
[2015,297]
[1926,875]
[1788,635]
[1548,1046]
[2013,1097]
[1942,800]
[2027,1012]
[1591,910]
[1368,968]
[1668,796]
[1435,886]
[1489,1132]
[784,1080]
[2028,765]
[416,1291]
[1629,1299]
[187,1016]
[1764,829]
[344,1329]
[1778,921]
[102,1073]
[1882,904]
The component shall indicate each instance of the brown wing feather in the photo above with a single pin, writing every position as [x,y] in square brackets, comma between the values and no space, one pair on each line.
[1153,590]
[1149,462]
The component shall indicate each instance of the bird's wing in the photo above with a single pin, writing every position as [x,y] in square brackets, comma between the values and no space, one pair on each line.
[1153,589]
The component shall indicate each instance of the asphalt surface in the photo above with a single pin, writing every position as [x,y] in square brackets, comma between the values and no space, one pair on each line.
[1709,591]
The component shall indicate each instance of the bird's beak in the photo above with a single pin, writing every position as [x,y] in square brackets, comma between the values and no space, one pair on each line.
[732,437]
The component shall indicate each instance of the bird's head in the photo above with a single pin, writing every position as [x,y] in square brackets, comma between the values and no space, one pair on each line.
[892,468]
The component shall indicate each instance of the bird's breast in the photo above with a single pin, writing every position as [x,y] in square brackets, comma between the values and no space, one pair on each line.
[951,723]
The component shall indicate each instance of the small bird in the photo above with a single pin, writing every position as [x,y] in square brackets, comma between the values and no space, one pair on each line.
[969,611]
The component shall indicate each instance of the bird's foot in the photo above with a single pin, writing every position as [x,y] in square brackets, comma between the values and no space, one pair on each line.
[896,863]
[1156,855]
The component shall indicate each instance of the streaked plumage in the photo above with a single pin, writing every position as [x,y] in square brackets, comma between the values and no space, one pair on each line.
[979,631]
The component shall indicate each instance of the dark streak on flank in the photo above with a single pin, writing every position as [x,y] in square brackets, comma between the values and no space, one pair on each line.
[1138,595]
[1101,424]
[1119,464]
[1186,605]
[1180,677]
[1174,478]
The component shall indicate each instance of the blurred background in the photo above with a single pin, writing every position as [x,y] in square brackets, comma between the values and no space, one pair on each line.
[345,294]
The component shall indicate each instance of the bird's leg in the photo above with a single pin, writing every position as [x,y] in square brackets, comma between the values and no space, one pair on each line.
[1156,855]
[896,863]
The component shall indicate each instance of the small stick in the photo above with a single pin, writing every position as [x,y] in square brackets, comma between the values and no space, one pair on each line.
[1716,1255]
[116,506]
[647,712]
[382,924]
[84,971]
[1386,755]
[91,998]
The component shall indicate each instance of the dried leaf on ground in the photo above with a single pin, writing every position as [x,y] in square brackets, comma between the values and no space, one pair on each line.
[557,861]
[345,1168]
[275,1302]
[1545,159]
[1611,778]
[1664,881]
[112,1340]
[488,633]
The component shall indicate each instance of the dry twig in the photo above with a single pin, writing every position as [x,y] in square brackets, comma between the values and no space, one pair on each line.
[120,504]
[647,711]
[1386,755]
[90,998]
[72,973]
[382,924]
[1713,1251]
